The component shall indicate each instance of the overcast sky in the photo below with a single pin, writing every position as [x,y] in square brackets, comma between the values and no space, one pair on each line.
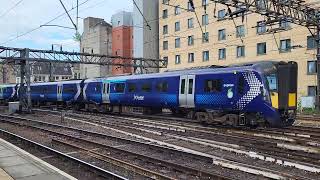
[20,16]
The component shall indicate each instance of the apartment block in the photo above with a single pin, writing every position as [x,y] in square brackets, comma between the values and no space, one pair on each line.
[218,40]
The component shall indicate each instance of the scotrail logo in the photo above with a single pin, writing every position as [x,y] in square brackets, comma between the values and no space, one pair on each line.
[138,98]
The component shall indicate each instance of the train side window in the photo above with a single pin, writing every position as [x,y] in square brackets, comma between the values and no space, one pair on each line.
[190,86]
[98,88]
[241,85]
[182,86]
[213,86]
[146,87]
[119,87]
[132,87]
[68,89]
[162,87]
[108,88]
[104,89]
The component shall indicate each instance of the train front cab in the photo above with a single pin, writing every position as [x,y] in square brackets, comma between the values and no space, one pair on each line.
[282,85]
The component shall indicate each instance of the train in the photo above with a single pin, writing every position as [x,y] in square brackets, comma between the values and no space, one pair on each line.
[250,94]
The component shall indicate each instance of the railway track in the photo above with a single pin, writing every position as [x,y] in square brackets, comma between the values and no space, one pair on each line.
[83,144]
[270,149]
[242,167]
[297,134]
[97,172]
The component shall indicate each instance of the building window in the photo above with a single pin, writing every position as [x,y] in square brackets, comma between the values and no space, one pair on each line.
[284,24]
[261,27]
[240,31]
[205,55]
[165,14]
[205,19]
[177,26]
[222,53]
[262,48]
[165,1]
[165,29]
[190,57]
[312,91]
[285,45]
[190,40]
[190,8]
[190,23]
[311,42]
[165,45]
[166,58]
[240,51]
[205,2]
[178,59]
[177,10]
[205,37]
[312,67]
[177,43]
[222,34]
[221,14]
[261,4]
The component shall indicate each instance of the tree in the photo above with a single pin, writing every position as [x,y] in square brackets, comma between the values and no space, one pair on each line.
[77,37]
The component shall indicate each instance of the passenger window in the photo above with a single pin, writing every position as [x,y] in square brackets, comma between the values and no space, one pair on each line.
[119,87]
[146,87]
[213,86]
[162,87]
[241,85]
[104,89]
[108,88]
[98,88]
[182,86]
[132,87]
[190,86]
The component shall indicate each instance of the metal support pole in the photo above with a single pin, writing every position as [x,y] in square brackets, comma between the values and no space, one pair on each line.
[50,71]
[24,90]
[318,68]
[4,74]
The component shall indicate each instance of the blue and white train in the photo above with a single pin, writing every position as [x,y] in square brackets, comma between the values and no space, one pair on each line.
[254,94]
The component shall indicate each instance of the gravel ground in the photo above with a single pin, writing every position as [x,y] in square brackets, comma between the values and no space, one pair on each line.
[205,165]
[213,151]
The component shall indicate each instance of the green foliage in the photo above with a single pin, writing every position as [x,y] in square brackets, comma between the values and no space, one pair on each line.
[77,37]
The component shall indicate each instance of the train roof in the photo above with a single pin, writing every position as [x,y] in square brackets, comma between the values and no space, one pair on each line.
[59,82]
[201,70]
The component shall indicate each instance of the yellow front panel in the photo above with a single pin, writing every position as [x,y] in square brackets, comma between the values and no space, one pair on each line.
[292,100]
[275,100]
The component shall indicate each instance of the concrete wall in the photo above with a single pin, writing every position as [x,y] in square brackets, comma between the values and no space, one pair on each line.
[122,45]
[121,18]
[297,34]
[146,43]
[7,74]
[97,39]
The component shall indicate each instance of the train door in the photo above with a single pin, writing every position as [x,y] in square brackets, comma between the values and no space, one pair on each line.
[1,92]
[59,92]
[105,92]
[186,91]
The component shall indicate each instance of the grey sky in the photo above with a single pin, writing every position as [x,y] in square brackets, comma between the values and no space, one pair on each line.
[30,14]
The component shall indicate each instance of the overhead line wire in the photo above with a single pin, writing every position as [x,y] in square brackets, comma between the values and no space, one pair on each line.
[34,29]
[14,6]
